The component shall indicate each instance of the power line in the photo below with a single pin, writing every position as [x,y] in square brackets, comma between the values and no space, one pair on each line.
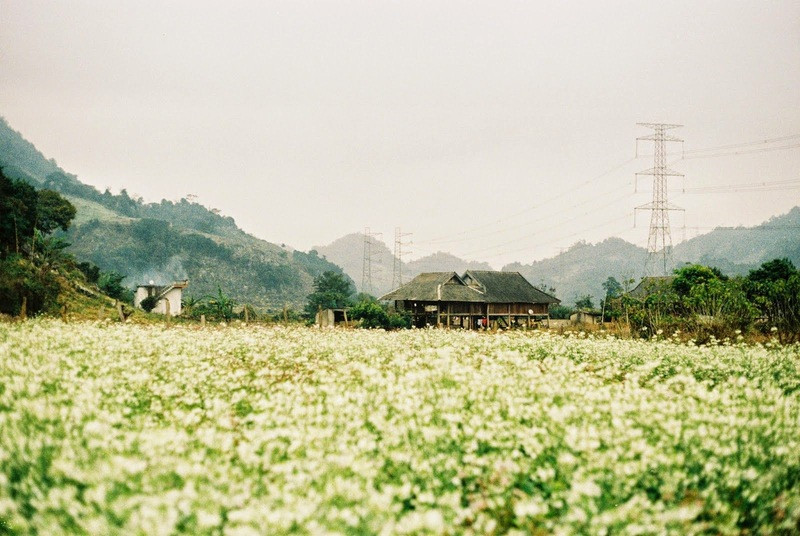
[747,229]
[558,238]
[734,146]
[774,186]
[749,151]
[743,144]
[448,238]
[541,230]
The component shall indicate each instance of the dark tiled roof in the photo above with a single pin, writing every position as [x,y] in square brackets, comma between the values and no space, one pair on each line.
[436,286]
[508,287]
[492,287]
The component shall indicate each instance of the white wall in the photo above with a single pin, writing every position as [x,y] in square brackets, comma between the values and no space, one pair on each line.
[174,297]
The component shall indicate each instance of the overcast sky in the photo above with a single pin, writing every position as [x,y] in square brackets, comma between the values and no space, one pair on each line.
[498,131]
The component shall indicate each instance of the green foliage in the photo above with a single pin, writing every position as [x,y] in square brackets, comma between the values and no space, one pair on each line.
[719,307]
[772,271]
[149,303]
[215,307]
[584,303]
[399,320]
[248,312]
[332,290]
[90,271]
[53,212]
[26,218]
[20,278]
[559,312]
[612,288]
[314,264]
[17,214]
[370,314]
[700,300]
[694,275]
[111,284]
[774,288]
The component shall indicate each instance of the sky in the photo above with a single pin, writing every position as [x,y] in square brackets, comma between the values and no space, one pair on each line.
[497,131]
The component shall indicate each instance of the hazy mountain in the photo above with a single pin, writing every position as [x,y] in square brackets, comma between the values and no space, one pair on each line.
[171,240]
[582,269]
[348,252]
[738,250]
[443,262]
[168,240]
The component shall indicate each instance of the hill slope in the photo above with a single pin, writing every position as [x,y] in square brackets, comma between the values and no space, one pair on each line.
[167,240]
[738,250]
[582,269]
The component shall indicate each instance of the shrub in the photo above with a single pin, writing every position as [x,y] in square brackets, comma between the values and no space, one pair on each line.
[149,303]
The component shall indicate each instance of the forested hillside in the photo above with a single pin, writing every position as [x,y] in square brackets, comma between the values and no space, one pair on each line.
[581,270]
[738,250]
[168,240]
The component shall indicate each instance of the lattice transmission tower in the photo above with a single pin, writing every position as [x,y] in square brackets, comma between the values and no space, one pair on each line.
[369,256]
[659,243]
[397,269]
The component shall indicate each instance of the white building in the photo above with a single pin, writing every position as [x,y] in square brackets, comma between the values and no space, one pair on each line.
[168,298]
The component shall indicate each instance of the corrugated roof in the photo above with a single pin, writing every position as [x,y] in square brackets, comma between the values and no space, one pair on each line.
[508,287]
[436,286]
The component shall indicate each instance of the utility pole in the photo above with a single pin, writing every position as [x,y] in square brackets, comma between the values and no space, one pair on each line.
[659,242]
[369,256]
[397,271]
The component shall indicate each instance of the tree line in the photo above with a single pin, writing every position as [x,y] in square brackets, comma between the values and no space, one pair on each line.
[706,303]
[34,266]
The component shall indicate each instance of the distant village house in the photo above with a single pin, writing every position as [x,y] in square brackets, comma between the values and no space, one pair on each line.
[328,318]
[478,299]
[168,297]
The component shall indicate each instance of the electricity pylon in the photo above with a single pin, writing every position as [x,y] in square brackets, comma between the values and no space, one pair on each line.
[397,271]
[369,256]
[659,243]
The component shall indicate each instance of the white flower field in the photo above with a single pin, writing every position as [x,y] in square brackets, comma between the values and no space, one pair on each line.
[109,428]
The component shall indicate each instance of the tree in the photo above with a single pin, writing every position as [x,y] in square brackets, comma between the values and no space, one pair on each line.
[332,290]
[613,290]
[771,271]
[612,287]
[111,284]
[53,212]
[693,275]
[775,289]
[90,270]
[559,312]
[24,211]
[17,213]
[371,314]
[584,303]
[149,303]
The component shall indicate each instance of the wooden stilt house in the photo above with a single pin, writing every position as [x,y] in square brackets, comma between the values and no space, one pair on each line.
[510,299]
[476,299]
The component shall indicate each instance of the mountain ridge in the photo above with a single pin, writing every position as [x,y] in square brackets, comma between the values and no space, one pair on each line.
[122,233]
[167,240]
